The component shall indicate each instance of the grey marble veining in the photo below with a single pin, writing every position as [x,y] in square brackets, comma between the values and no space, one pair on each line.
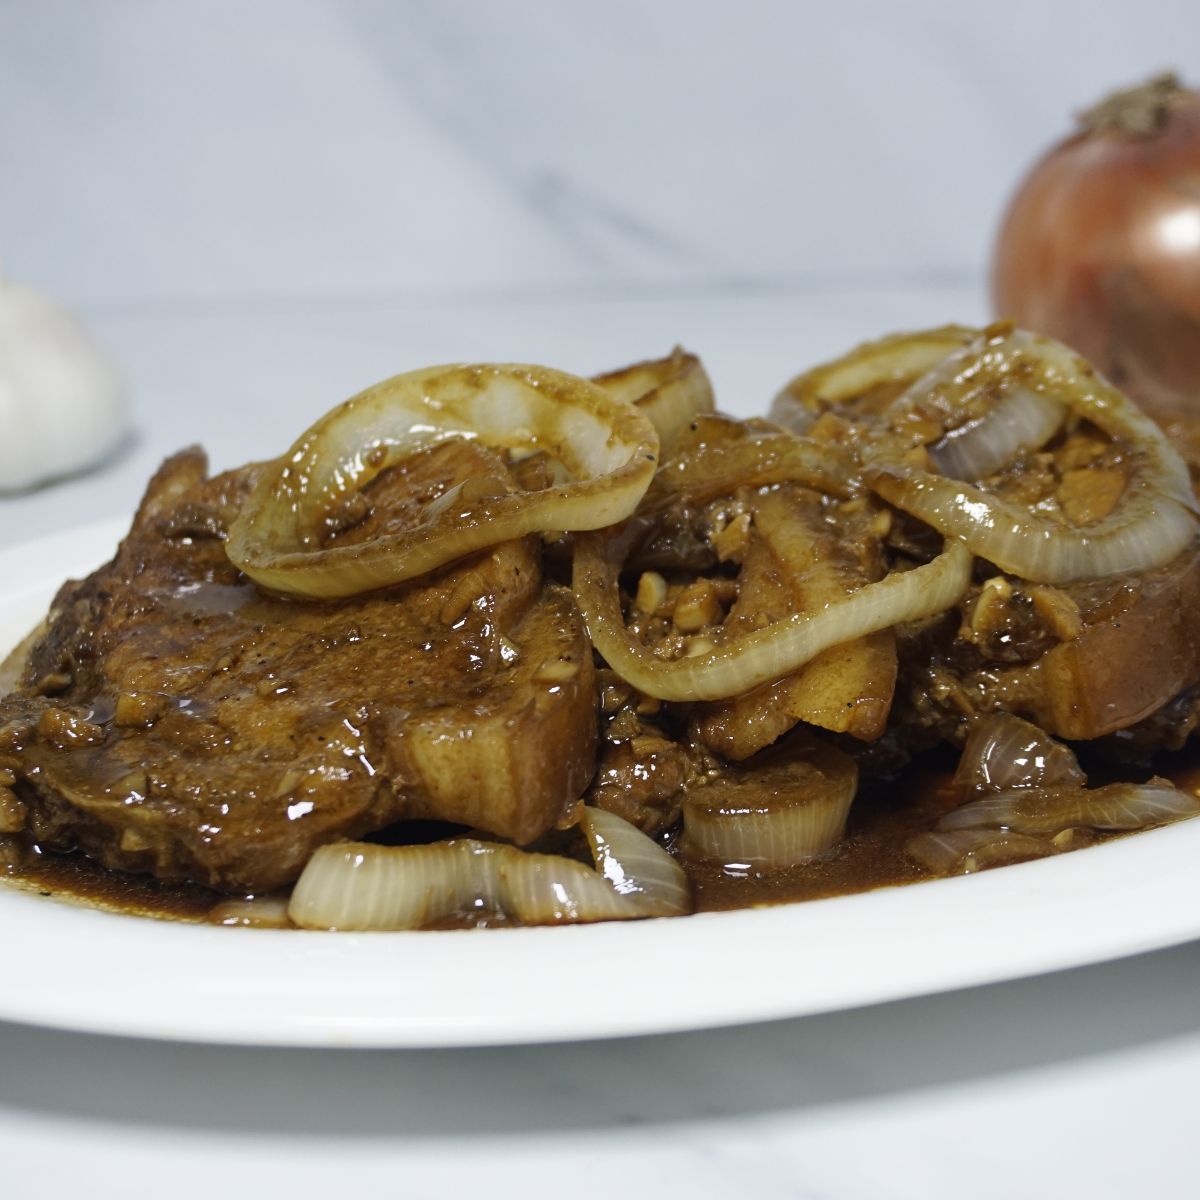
[205,150]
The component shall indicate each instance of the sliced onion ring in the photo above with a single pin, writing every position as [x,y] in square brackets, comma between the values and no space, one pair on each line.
[744,662]
[251,912]
[671,391]
[965,851]
[1005,752]
[777,814]
[634,864]
[1023,420]
[609,447]
[1152,524]
[1050,810]
[899,360]
[1033,822]
[1147,531]
[757,459]
[362,886]
[990,398]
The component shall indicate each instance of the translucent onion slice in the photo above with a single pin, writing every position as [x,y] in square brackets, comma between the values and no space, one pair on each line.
[897,361]
[772,817]
[1146,530]
[780,837]
[361,886]
[758,458]
[1023,420]
[743,662]
[1004,752]
[989,398]
[1050,810]
[609,447]
[671,391]
[635,865]
[963,851]
[1153,523]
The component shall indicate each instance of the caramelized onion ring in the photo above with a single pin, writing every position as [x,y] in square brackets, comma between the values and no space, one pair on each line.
[1001,371]
[608,446]
[762,457]
[1154,521]
[899,359]
[1023,420]
[787,809]
[671,391]
[744,662]
[362,886]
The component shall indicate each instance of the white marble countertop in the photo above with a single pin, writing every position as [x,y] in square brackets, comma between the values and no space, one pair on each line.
[263,207]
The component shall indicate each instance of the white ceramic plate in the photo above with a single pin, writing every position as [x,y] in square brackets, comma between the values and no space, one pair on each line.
[74,968]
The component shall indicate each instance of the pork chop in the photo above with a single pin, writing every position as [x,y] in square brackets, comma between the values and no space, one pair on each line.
[175,719]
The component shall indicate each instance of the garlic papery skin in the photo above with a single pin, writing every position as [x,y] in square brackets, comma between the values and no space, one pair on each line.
[63,405]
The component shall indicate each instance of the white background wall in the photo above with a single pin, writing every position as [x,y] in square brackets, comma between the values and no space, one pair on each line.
[179,152]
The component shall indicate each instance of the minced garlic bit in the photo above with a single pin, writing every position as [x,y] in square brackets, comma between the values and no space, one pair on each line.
[990,606]
[696,606]
[651,592]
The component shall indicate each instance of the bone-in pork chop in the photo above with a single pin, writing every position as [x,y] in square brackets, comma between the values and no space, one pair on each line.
[175,719]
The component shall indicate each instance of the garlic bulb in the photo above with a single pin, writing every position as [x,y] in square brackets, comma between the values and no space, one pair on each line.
[62,403]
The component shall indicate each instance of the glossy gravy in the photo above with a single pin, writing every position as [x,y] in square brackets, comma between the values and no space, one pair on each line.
[871,855]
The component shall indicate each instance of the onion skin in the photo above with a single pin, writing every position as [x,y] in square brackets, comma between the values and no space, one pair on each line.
[1100,246]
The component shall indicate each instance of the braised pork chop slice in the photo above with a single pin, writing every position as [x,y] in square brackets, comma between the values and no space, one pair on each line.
[175,719]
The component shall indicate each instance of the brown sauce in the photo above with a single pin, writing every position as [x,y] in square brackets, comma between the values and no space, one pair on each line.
[871,855]
[75,878]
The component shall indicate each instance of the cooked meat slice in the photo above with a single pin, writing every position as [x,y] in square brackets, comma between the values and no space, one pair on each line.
[175,719]
[512,761]
[643,778]
[799,557]
[1080,661]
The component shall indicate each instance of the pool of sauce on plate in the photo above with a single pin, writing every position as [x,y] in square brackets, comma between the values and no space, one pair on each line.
[871,855]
